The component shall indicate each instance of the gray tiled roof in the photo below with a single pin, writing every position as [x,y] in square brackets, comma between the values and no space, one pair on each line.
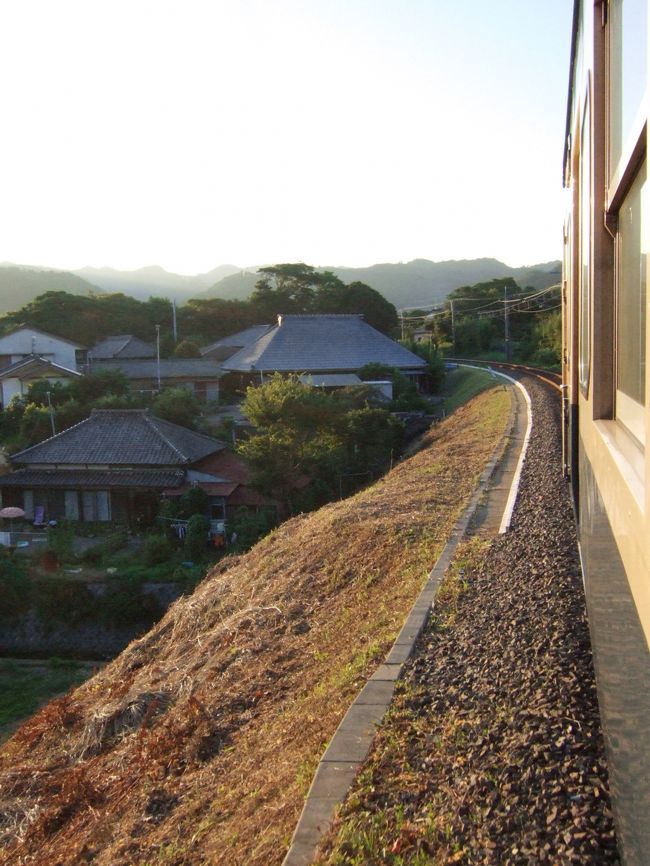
[95,478]
[240,339]
[170,368]
[321,343]
[330,380]
[32,364]
[24,327]
[129,437]
[122,346]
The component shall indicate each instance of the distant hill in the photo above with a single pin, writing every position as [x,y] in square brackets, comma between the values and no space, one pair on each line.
[154,280]
[21,284]
[410,284]
[405,284]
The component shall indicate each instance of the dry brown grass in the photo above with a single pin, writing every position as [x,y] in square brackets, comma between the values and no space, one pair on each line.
[197,744]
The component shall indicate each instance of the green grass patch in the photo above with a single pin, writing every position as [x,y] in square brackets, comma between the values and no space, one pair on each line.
[462,384]
[26,686]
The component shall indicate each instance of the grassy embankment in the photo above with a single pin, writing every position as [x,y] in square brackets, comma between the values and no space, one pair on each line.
[464,383]
[198,743]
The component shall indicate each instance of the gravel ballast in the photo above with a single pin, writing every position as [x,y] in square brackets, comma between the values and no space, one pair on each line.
[493,753]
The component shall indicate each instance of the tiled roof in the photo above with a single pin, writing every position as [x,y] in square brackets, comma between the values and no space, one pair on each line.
[122,346]
[17,328]
[330,380]
[321,343]
[95,478]
[170,368]
[214,488]
[130,437]
[34,363]
[240,339]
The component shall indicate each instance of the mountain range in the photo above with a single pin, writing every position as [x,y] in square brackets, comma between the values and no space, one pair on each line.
[419,283]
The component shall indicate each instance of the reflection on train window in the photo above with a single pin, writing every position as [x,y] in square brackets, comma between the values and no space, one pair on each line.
[628,76]
[631,310]
[585,250]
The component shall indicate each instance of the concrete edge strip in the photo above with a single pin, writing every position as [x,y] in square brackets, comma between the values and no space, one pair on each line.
[514,486]
[350,745]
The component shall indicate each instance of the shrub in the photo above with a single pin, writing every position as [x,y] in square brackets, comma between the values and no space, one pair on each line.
[101,552]
[196,539]
[156,549]
[125,605]
[250,526]
[60,540]
[13,586]
[58,599]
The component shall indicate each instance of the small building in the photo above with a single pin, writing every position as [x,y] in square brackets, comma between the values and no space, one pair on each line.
[116,466]
[24,342]
[199,375]
[313,345]
[122,346]
[16,379]
[227,346]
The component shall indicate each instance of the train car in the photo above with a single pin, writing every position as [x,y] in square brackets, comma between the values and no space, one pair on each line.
[606,389]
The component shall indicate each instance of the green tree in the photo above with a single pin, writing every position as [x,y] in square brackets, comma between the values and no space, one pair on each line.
[405,393]
[86,389]
[333,296]
[306,439]
[178,405]
[187,349]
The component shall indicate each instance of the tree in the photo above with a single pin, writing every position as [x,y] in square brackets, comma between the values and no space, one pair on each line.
[286,288]
[305,439]
[178,405]
[405,392]
[187,349]
[333,296]
[101,383]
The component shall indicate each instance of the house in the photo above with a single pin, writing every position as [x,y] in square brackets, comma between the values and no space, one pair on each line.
[122,346]
[199,375]
[23,341]
[317,345]
[227,346]
[28,355]
[116,466]
[16,379]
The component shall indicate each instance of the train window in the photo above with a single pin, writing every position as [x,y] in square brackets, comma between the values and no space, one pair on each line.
[627,77]
[585,251]
[631,309]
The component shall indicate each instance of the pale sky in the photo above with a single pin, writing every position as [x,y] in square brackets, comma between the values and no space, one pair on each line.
[193,133]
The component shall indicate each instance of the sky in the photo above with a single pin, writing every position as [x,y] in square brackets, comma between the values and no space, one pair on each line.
[193,133]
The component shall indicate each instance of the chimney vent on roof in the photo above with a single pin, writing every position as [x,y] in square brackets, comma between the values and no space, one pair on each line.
[279,319]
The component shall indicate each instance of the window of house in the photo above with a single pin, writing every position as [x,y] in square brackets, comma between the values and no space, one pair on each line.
[28,504]
[96,505]
[71,498]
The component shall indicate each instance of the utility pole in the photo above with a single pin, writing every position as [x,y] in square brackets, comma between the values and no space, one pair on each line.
[158,355]
[174,320]
[506,323]
[453,326]
[401,319]
[51,410]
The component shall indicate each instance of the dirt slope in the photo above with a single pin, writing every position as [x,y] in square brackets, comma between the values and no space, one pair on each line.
[197,744]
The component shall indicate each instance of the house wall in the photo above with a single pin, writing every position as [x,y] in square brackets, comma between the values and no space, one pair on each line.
[14,387]
[29,341]
[204,390]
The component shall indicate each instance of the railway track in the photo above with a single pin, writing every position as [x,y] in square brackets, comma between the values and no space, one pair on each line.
[548,376]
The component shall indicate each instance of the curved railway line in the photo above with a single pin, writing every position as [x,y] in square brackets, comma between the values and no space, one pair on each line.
[549,376]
